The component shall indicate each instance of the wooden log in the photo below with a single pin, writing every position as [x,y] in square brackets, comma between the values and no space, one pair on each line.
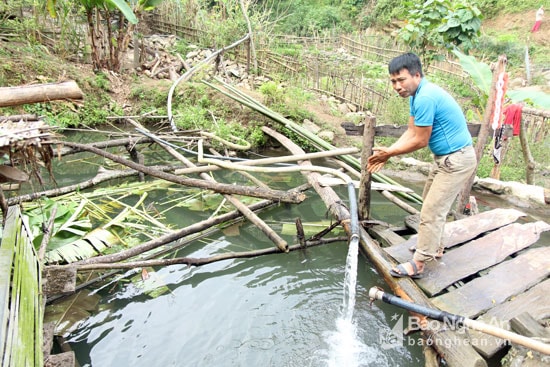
[14,96]
[395,131]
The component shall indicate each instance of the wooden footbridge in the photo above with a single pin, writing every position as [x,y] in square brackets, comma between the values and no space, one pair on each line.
[494,270]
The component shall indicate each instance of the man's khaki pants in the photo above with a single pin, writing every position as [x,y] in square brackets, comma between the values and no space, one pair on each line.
[444,182]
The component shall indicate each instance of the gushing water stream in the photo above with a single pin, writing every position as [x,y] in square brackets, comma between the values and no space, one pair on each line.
[345,348]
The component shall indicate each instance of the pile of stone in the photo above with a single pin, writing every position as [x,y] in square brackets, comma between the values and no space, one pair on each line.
[159,61]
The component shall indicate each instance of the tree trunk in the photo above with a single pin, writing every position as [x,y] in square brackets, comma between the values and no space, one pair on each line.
[14,96]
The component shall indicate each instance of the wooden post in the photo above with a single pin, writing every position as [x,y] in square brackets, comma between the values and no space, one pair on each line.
[527,156]
[464,195]
[495,172]
[365,183]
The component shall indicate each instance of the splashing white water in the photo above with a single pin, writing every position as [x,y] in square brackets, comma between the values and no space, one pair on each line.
[345,348]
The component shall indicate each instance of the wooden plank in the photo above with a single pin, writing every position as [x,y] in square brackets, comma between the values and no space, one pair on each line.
[525,324]
[503,282]
[461,230]
[480,254]
[535,300]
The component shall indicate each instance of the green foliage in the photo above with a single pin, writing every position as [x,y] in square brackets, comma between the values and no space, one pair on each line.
[306,18]
[383,13]
[494,7]
[272,92]
[101,82]
[482,76]
[503,44]
[396,112]
[61,114]
[441,24]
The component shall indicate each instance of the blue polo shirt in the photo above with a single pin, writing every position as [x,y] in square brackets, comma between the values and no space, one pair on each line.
[433,106]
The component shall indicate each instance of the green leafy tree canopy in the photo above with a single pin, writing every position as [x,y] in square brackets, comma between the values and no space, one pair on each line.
[441,24]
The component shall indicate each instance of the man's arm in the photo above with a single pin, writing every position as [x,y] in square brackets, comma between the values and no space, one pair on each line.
[414,138]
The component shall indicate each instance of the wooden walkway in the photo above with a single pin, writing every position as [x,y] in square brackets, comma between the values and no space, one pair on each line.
[494,269]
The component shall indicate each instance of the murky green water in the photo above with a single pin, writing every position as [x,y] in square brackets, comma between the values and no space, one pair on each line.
[274,310]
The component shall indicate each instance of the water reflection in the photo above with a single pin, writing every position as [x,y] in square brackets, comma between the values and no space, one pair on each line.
[277,310]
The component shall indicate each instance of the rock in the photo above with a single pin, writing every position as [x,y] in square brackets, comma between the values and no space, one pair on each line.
[343,108]
[310,126]
[326,135]
[531,193]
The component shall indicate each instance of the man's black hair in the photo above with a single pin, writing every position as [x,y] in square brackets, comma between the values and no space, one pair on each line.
[408,61]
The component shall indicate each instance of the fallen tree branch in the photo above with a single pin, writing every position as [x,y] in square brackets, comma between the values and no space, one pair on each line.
[194,261]
[103,175]
[277,195]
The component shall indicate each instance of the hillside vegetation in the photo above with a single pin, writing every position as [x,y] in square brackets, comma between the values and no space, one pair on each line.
[31,57]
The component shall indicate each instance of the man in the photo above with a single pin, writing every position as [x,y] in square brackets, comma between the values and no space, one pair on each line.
[436,120]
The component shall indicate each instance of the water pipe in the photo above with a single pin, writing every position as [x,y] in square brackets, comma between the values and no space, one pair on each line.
[376,293]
